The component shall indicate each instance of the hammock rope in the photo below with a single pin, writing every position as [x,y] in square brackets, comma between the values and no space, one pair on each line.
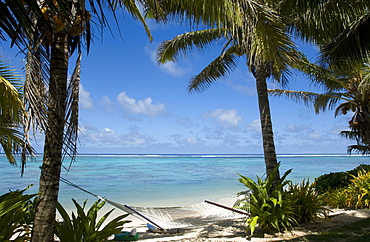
[165,218]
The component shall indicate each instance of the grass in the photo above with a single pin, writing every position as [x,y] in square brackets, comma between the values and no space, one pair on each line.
[357,231]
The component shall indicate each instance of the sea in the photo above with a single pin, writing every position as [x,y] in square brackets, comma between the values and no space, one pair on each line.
[167,180]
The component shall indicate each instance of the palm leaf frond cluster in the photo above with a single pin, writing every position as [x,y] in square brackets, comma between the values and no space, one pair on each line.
[12,113]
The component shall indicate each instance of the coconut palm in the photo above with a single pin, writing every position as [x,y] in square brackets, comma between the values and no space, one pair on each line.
[253,29]
[12,112]
[346,91]
[51,31]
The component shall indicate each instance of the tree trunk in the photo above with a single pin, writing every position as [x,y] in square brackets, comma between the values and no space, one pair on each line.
[44,223]
[261,74]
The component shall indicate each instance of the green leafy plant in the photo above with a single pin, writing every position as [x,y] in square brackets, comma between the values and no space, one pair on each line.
[308,206]
[359,190]
[16,214]
[84,226]
[270,205]
[336,180]
[337,198]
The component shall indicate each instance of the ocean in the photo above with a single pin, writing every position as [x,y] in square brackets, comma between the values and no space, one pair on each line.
[168,180]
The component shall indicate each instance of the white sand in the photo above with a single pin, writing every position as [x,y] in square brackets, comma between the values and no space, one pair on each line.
[236,230]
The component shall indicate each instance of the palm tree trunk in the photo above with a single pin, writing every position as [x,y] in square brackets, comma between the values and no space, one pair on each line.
[44,223]
[261,74]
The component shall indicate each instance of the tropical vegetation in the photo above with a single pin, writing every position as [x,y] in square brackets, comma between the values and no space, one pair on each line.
[269,206]
[280,207]
[251,29]
[338,29]
[12,138]
[50,32]
[347,92]
[17,212]
[16,215]
[85,226]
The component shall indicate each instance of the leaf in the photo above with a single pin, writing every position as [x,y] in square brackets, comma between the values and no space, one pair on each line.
[252,223]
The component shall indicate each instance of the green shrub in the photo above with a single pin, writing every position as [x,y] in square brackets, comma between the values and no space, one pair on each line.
[85,227]
[337,198]
[359,190]
[308,206]
[337,180]
[355,195]
[16,215]
[269,204]
[332,181]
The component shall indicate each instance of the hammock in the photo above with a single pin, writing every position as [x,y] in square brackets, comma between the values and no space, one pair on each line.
[166,218]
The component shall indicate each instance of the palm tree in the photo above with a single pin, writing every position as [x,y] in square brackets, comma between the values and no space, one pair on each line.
[12,139]
[346,90]
[253,29]
[51,31]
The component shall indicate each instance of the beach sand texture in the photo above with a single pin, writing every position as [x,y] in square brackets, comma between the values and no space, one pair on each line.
[235,230]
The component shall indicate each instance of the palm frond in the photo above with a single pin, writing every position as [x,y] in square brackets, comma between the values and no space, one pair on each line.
[12,114]
[10,87]
[132,8]
[220,67]
[35,90]
[328,100]
[298,96]
[361,149]
[71,133]
[181,44]
[351,44]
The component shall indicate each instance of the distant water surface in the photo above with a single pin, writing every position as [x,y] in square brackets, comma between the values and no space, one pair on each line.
[161,180]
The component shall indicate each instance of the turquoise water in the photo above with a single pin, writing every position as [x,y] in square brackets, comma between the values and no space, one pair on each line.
[168,179]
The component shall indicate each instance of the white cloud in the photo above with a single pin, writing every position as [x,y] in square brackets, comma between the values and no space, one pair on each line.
[173,69]
[144,107]
[135,138]
[106,104]
[85,100]
[91,136]
[254,126]
[186,122]
[295,128]
[225,118]
[170,67]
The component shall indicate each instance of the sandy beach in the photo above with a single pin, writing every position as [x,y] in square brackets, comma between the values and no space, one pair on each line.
[235,230]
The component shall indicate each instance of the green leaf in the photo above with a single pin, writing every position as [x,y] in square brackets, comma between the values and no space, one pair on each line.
[252,223]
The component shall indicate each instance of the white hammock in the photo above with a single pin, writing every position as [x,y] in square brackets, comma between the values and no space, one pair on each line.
[166,218]
[196,215]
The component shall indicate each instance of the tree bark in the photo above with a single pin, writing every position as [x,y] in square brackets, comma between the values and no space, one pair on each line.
[261,74]
[44,222]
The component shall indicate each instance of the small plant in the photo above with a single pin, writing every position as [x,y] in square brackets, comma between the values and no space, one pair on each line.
[308,206]
[85,227]
[15,216]
[270,205]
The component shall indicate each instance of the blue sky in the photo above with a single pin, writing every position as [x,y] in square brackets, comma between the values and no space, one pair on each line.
[131,105]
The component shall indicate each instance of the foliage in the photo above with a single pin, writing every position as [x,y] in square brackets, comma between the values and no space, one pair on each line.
[84,226]
[337,180]
[306,202]
[269,204]
[12,112]
[16,214]
[359,190]
[336,198]
[355,195]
